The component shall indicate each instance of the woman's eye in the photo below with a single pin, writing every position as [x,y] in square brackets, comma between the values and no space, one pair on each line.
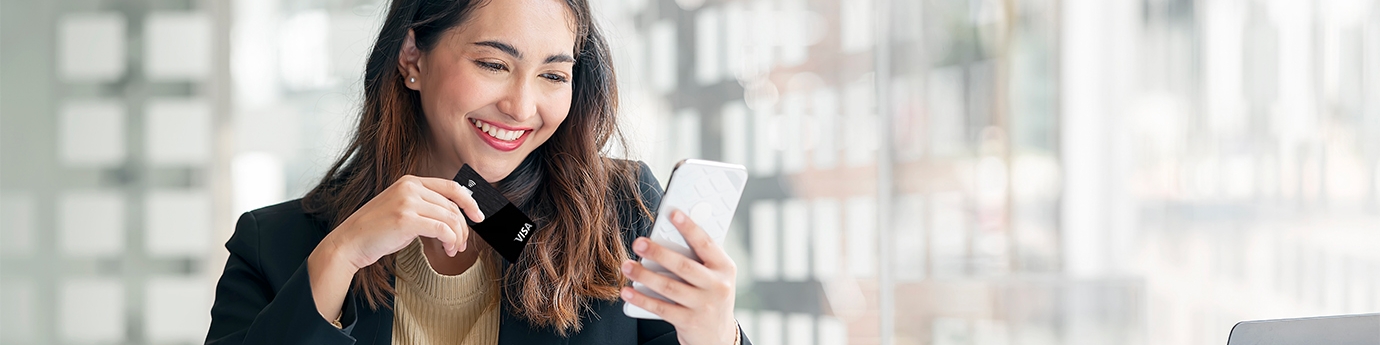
[492,66]
[554,77]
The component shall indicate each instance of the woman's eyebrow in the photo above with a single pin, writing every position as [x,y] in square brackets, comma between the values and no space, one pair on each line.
[559,58]
[507,48]
[501,46]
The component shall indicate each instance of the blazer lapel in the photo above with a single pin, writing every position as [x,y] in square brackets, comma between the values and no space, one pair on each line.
[374,327]
[513,330]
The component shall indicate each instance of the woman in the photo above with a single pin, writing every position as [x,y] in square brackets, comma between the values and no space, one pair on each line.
[379,252]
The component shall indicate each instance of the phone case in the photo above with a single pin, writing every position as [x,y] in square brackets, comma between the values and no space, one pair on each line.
[708,192]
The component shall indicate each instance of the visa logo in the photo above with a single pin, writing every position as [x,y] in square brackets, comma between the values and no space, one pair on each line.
[522,233]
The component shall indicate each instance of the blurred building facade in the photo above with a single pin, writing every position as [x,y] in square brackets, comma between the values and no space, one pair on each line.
[1013,172]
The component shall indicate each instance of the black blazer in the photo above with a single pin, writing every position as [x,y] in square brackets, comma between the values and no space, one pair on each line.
[264,296]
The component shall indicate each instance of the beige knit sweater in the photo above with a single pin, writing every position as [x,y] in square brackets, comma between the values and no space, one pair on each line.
[432,308]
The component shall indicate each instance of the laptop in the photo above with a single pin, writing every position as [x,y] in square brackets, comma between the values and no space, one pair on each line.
[1360,329]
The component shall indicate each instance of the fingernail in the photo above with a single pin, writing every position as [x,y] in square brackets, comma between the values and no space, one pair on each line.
[677,216]
[626,294]
[627,267]
[640,245]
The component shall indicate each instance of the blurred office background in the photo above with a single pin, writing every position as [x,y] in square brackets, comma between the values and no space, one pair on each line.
[923,171]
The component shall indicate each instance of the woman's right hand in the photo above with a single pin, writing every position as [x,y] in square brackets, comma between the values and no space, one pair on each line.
[411,207]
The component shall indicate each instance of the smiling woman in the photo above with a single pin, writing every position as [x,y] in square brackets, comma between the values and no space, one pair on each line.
[523,91]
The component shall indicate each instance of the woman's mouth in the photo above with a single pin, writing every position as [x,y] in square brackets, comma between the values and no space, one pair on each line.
[503,139]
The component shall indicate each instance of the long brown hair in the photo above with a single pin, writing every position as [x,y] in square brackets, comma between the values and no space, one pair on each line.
[568,186]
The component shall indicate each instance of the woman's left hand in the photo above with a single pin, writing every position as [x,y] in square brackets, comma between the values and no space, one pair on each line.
[703,312]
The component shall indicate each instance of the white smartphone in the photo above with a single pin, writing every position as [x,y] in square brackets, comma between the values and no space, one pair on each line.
[708,192]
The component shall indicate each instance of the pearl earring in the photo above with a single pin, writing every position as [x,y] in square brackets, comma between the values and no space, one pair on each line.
[412,80]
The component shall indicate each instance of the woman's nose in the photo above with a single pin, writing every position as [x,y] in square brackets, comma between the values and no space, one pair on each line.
[520,102]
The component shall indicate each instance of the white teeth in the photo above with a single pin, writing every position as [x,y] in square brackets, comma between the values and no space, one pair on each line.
[497,133]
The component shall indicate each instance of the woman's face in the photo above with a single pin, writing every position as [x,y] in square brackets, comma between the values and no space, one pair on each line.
[495,87]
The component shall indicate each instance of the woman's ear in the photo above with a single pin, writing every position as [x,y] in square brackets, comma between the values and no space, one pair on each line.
[410,62]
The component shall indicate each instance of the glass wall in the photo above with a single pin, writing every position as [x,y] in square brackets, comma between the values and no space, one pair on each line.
[922,171]
[113,175]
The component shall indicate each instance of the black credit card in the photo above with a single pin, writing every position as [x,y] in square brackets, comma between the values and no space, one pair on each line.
[505,227]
